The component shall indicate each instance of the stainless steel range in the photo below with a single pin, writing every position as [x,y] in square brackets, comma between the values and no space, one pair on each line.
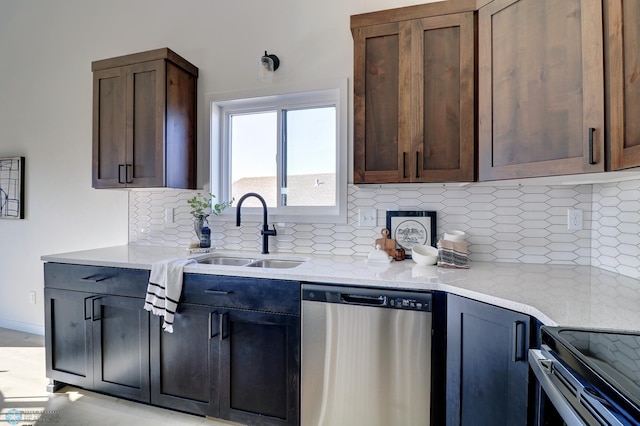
[587,377]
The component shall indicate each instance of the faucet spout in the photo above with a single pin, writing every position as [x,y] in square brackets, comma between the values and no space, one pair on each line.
[265,232]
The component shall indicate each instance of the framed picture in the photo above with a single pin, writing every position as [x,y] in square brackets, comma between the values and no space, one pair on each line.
[11,187]
[409,228]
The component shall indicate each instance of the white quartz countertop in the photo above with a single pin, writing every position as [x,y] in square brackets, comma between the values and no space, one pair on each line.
[563,295]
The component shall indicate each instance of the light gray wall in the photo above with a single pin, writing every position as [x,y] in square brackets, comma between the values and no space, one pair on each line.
[46,50]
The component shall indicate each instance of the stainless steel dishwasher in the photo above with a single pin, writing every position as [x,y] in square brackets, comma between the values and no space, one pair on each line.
[366,356]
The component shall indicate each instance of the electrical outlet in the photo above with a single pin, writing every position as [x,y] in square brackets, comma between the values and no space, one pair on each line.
[32,297]
[168,215]
[367,217]
[574,219]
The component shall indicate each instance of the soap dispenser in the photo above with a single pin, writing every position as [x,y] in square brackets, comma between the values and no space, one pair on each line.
[205,237]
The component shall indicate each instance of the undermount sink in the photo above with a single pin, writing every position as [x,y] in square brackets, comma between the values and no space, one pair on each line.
[250,262]
[223,260]
[276,263]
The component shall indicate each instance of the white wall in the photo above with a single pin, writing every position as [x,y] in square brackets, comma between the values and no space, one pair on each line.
[46,51]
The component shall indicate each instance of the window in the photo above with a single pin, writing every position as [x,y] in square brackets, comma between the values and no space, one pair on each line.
[290,148]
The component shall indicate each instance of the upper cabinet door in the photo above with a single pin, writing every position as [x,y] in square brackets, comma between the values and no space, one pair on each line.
[443,93]
[623,81]
[145,124]
[382,103]
[109,88]
[414,99]
[541,96]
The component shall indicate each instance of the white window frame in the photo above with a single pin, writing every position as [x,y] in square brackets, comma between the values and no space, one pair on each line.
[221,105]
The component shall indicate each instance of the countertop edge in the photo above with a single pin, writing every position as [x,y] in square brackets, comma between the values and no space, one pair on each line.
[568,295]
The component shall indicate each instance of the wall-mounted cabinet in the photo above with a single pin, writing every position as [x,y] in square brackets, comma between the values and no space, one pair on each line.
[414,73]
[144,121]
[541,96]
[622,70]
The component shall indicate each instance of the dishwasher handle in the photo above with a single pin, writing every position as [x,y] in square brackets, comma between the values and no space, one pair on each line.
[361,299]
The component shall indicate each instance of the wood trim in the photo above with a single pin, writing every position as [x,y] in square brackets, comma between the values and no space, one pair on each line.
[405,93]
[485,70]
[592,80]
[621,157]
[417,92]
[149,55]
[413,12]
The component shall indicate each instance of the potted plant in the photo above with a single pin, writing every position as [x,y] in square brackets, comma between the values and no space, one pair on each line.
[201,207]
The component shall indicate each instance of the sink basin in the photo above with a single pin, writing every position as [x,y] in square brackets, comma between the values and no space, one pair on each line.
[275,263]
[252,262]
[226,260]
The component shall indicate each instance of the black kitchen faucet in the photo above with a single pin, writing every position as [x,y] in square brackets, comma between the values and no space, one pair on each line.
[265,232]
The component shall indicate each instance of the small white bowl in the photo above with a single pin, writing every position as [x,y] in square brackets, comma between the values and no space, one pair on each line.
[455,235]
[424,255]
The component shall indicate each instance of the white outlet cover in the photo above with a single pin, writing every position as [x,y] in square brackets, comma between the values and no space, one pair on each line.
[574,219]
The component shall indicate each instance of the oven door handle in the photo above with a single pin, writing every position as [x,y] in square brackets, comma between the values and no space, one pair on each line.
[543,370]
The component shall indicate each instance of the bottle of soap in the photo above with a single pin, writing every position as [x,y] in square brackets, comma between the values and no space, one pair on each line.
[205,237]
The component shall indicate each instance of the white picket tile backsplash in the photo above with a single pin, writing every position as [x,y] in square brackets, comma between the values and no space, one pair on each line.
[526,224]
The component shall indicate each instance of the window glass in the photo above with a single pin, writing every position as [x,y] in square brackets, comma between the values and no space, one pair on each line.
[310,149]
[290,148]
[254,142]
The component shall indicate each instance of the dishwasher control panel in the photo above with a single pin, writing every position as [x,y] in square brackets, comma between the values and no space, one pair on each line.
[410,304]
[377,298]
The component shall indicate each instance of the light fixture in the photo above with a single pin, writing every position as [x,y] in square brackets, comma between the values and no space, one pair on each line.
[267,66]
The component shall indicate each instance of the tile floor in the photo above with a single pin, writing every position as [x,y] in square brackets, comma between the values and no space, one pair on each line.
[25,401]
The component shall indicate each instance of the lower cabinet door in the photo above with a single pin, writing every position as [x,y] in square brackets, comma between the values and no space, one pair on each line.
[487,367]
[259,367]
[184,364]
[121,347]
[68,335]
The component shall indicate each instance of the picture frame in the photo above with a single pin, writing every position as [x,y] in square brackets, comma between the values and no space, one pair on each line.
[12,187]
[409,228]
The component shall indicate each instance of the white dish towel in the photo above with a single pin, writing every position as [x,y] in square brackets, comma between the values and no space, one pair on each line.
[165,288]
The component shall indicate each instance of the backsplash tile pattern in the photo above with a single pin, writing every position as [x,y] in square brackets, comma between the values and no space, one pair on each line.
[616,239]
[525,224]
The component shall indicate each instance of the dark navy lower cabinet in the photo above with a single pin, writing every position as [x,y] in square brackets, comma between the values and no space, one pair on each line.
[184,364]
[95,340]
[254,332]
[69,337]
[487,372]
[234,352]
[259,368]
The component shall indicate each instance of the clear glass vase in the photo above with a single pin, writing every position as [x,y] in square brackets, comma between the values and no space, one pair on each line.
[199,222]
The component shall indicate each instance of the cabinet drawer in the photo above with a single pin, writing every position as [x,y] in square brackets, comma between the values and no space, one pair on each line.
[96,279]
[241,292]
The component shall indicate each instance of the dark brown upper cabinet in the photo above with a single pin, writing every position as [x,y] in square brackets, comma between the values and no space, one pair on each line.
[622,69]
[144,121]
[541,88]
[414,73]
